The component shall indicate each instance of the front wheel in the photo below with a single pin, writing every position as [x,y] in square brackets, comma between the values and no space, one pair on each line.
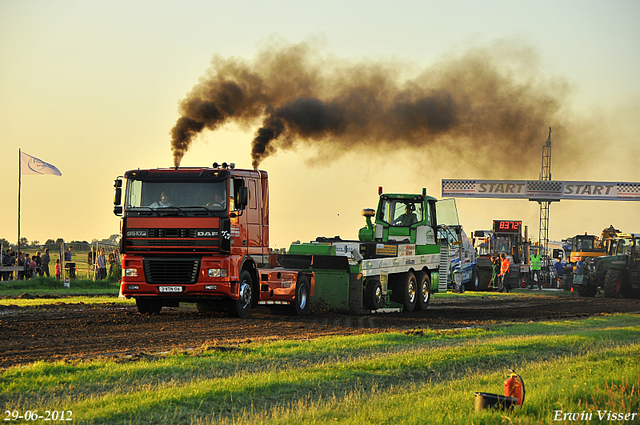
[240,307]
[373,295]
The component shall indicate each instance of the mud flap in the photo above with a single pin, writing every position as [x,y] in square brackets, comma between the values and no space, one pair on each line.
[355,294]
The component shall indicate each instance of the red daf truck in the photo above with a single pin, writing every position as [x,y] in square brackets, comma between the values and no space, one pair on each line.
[193,235]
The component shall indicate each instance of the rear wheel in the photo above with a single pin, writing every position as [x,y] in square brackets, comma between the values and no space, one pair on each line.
[373,295]
[407,293]
[148,306]
[424,291]
[613,284]
[240,307]
[301,302]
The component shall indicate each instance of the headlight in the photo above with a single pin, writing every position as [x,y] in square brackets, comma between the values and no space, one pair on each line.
[131,273]
[217,273]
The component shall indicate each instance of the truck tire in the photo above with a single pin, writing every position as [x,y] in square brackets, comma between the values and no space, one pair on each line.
[241,307]
[475,279]
[300,305]
[406,291]
[424,291]
[148,305]
[613,284]
[373,295]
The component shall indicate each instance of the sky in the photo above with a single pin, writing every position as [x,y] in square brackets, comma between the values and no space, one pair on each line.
[96,87]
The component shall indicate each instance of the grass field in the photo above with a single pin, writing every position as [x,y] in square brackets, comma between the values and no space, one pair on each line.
[423,377]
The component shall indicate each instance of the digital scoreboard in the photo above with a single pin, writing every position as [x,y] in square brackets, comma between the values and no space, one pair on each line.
[507,226]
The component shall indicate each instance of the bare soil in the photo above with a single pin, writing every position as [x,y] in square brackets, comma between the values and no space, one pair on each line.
[82,331]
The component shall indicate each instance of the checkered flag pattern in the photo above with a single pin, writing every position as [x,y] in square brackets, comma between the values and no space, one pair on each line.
[629,188]
[454,185]
[544,186]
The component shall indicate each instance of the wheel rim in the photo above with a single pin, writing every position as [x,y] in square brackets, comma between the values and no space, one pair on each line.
[425,292]
[302,298]
[412,291]
[378,295]
[245,295]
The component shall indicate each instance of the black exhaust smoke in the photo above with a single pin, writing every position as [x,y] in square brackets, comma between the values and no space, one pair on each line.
[468,104]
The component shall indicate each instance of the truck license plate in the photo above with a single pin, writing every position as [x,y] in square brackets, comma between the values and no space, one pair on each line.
[170,288]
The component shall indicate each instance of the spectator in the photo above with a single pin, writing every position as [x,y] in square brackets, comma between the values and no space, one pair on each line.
[102,266]
[12,261]
[32,266]
[67,254]
[27,266]
[38,262]
[58,270]
[44,263]
[20,263]
[112,261]
[91,257]
[6,261]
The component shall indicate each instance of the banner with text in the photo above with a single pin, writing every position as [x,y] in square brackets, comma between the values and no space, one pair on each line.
[541,190]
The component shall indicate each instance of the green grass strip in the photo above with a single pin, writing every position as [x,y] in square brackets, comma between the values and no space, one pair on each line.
[392,378]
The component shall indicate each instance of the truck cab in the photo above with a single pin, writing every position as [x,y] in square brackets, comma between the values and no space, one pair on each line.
[408,218]
[193,235]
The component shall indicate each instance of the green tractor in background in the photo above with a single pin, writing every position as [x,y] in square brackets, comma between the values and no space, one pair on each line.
[617,273]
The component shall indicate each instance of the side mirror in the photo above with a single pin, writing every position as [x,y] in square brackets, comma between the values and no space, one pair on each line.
[117,196]
[242,197]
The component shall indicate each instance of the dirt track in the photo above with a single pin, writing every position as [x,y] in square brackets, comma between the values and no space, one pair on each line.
[77,331]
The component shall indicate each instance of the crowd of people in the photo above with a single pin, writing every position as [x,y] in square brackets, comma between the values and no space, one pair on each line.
[30,266]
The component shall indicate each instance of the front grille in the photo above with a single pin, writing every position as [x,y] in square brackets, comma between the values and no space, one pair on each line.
[187,242]
[172,233]
[171,271]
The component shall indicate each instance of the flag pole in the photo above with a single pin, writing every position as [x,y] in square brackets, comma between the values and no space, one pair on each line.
[19,189]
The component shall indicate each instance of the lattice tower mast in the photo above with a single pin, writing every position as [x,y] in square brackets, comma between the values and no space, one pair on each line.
[545,174]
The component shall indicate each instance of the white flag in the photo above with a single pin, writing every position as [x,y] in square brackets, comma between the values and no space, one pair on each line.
[32,165]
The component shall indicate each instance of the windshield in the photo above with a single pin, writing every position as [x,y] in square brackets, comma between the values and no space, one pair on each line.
[583,245]
[402,212]
[161,195]
[502,244]
[447,212]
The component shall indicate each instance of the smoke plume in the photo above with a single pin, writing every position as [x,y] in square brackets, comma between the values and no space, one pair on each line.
[487,103]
